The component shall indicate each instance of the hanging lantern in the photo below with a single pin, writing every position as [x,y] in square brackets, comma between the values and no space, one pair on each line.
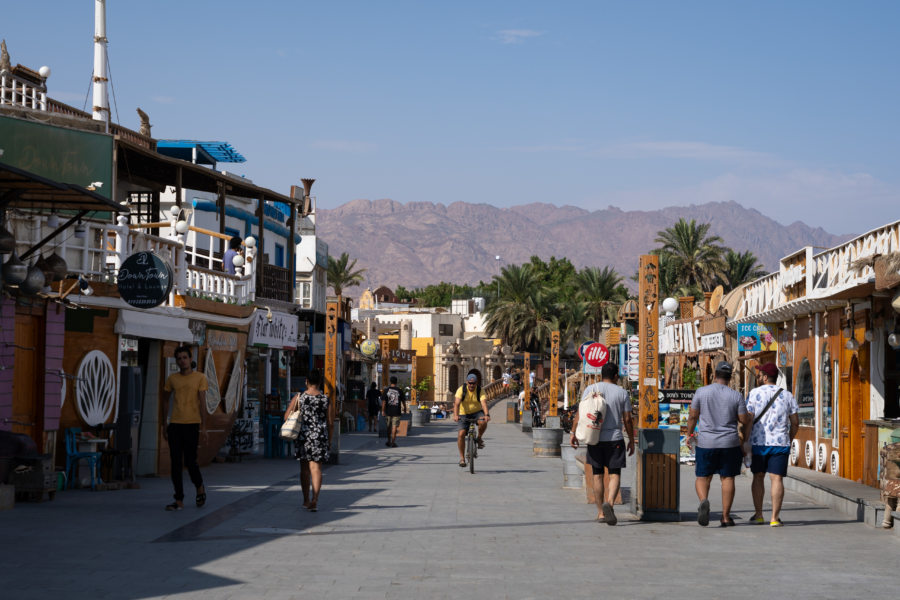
[58,267]
[34,280]
[7,241]
[14,270]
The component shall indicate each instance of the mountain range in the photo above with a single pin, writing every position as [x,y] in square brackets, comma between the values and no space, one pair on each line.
[421,243]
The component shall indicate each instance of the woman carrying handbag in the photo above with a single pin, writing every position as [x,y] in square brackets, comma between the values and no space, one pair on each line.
[312,445]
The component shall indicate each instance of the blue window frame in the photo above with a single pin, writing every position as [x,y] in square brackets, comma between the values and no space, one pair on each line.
[279,255]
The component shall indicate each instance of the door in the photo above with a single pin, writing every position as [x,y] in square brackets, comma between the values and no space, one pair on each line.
[28,380]
[851,422]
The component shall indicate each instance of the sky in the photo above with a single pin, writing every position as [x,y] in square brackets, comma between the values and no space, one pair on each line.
[790,108]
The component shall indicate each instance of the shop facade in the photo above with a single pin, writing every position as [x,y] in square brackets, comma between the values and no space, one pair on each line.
[821,319]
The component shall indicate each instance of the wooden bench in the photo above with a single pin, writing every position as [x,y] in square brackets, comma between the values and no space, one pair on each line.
[589,480]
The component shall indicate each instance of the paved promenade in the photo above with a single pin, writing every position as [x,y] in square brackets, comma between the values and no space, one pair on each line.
[407,522]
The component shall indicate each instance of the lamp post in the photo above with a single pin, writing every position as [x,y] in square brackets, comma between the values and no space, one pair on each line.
[497,258]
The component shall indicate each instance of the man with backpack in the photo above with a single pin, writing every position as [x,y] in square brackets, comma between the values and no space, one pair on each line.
[602,412]
[775,423]
[392,407]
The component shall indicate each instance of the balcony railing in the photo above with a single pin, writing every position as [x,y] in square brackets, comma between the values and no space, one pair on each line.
[99,252]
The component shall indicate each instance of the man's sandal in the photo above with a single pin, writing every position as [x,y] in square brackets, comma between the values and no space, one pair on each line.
[480,443]
[462,464]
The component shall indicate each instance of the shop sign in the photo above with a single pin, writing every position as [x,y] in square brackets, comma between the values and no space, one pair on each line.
[128,344]
[225,341]
[198,329]
[369,348]
[755,337]
[684,396]
[595,356]
[280,332]
[712,341]
[144,280]
[400,356]
[634,357]
[582,348]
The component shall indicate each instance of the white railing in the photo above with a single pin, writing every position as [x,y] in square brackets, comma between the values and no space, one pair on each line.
[17,92]
[104,247]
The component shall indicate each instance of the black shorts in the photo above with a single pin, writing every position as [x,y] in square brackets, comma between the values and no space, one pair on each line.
[607,454]
[464,420]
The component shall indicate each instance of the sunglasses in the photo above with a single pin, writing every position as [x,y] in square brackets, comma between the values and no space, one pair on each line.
[470,382]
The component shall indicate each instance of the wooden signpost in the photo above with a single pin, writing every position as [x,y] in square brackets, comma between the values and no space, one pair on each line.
[648,377]
[554,373]
[331,356]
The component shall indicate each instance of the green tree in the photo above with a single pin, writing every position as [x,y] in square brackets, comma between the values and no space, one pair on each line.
[558,275]
[341,275]
[696,256]
[740,267]
[598,289]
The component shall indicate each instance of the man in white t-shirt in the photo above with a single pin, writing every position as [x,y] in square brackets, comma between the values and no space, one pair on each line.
[609,451]
[773,430]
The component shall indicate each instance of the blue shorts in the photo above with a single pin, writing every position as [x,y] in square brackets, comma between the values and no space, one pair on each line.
[770,459]
[724,462]
[464,420]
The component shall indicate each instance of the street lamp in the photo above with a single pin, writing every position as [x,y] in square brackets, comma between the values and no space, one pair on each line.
[498,276]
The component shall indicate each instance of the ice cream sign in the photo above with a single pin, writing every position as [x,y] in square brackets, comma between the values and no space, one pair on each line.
[756,337]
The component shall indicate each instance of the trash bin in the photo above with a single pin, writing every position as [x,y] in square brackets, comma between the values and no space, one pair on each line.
[657,475]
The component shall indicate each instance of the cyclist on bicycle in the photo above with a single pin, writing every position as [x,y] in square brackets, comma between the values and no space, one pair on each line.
[470,405]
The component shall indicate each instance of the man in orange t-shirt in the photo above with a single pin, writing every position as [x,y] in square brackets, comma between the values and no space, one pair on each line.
[188,419]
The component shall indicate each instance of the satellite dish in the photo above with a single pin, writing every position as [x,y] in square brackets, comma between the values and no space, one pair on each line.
[716,299]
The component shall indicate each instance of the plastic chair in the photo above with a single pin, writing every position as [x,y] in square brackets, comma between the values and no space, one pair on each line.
[73,456]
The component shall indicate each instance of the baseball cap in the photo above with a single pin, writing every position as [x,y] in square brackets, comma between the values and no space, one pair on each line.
[471,378]
[769,369]
[724,367]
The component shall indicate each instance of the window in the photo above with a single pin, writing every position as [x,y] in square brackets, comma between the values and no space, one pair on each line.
[825,422]
[279,255]
[806,395]
[453,379]
[445,329]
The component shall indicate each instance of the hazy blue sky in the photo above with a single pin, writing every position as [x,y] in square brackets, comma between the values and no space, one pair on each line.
[788,107]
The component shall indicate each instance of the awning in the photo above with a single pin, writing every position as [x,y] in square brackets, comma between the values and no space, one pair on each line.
[23,189]
[153,325]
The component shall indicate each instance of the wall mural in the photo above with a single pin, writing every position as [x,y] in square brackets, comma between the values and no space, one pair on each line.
[95,390]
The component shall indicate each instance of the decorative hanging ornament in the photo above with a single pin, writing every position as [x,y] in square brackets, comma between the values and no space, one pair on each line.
[58,267]
[7,241]
[14,270]
[34,280]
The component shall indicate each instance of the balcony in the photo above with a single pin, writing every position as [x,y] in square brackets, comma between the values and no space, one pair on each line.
[95,251]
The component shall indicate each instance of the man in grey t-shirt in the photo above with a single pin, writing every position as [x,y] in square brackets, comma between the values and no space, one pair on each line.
[718,409]
[609,451]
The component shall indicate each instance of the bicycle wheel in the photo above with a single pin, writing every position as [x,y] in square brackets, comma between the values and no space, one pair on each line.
[470,450]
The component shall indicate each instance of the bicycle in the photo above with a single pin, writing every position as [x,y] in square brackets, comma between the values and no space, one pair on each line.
[472,445]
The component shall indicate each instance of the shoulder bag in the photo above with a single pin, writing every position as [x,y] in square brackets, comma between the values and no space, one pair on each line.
[768,406]
[291,428]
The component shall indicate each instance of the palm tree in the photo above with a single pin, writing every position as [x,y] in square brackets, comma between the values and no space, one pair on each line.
[696,256]
[598,289]
[517,284]
[341,275]
[740,268]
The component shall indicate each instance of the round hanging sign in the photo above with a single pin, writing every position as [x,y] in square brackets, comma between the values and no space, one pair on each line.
[596,355]
[144,280]
[582,348]
[369,348]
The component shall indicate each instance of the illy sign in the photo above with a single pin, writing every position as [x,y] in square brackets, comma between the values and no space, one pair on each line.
[596,355]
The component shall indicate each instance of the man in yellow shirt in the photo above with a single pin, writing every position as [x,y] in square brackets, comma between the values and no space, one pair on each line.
[187,421]
[470,405]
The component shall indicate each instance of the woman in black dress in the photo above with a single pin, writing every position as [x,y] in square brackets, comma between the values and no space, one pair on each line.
[312,446]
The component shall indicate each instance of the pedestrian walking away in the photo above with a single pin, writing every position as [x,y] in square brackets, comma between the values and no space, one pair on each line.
[775,424]
[373,401]
[470,405]
[393,403]
[717,409]
[312,445]
[605,408]
[186,424]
